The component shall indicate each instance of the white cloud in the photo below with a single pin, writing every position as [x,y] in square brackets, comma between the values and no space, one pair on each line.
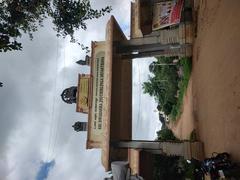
[145,120]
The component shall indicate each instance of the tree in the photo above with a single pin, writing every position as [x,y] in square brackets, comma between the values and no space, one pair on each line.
[163,85]
[25,16]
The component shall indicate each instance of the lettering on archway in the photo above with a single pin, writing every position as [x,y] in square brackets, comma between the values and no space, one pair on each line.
[98,84]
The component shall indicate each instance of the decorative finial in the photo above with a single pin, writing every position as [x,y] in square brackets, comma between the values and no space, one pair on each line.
[80,126]
[84,62]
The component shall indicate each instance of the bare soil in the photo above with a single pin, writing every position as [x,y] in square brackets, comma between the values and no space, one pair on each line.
[214,106]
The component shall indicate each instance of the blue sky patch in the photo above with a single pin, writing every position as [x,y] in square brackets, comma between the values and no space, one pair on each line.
[44,170]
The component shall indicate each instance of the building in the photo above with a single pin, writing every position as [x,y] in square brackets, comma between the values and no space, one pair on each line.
[106,95]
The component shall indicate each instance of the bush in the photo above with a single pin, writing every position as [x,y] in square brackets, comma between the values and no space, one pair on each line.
[193,135]
[166,167]
[165,135]
[167,108]
[187,169]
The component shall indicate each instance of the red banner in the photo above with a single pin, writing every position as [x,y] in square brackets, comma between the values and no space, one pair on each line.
[167,13]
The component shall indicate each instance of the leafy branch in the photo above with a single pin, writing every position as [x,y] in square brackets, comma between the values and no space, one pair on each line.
[25,16]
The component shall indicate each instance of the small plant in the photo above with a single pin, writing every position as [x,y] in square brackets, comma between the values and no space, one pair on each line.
[166,135]
[193,135]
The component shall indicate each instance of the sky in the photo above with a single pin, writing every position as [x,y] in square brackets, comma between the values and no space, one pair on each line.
[37,141]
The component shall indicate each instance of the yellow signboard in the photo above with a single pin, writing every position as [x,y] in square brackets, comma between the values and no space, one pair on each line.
[83,93]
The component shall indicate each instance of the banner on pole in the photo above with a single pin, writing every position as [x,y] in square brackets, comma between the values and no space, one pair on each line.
[167,13]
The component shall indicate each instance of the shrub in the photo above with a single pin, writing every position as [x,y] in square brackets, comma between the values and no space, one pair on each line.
[166,167]
[165,135]
[193,135]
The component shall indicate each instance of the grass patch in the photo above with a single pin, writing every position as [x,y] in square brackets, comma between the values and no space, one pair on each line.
[186,64]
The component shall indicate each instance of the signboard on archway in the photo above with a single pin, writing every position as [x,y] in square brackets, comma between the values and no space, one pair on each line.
[83,93]
[166,13]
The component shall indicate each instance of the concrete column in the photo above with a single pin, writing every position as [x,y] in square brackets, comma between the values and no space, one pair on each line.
[186,149]
[174,51]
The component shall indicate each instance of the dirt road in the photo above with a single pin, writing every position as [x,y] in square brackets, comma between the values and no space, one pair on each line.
[216,78]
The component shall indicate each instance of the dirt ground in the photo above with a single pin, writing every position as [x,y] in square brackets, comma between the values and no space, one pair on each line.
[212,103]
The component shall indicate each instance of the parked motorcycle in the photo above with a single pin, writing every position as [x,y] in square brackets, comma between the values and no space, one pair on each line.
[218,166]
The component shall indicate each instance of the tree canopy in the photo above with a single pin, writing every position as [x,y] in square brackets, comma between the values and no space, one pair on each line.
[163,85]
[168,83]
[25,16]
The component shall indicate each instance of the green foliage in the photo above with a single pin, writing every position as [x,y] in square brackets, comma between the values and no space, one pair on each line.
[70,15]
[25,16]
[163,85]
[166,86]
[183,83]
[166,135]
[172,167]
[166,167]
[187,169]
[167,108]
